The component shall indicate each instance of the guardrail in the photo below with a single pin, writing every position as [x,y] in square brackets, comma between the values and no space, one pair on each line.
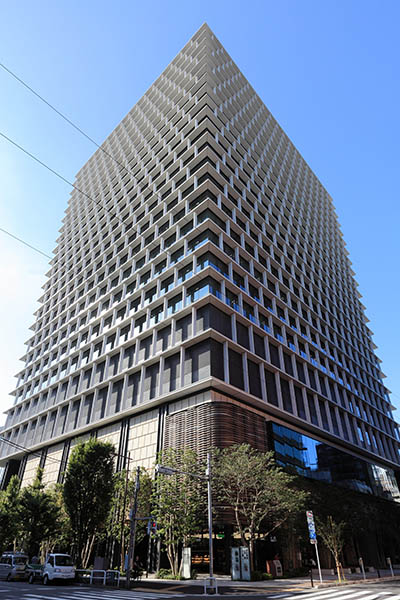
[210,586]
[105,577]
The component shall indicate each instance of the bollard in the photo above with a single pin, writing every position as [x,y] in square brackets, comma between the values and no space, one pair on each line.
[389,562]
[361,562]
[311,578]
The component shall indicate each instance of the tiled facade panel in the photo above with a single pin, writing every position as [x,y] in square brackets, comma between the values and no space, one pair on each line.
[52,464]
[142,443]
[31,466]
[206,252]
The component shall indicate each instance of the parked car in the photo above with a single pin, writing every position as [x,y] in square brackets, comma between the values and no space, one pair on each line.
[12,566]
[57,567]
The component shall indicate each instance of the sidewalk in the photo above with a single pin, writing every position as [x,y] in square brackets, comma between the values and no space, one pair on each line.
[228,587]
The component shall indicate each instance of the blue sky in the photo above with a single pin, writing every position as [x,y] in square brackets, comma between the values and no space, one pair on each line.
[327,70]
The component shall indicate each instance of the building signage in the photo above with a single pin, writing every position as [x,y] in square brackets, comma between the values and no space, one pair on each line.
[311,526]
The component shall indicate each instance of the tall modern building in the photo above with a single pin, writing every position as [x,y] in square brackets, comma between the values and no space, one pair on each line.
[200,295]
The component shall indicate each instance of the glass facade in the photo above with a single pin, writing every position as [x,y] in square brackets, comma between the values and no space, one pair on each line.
[321,461]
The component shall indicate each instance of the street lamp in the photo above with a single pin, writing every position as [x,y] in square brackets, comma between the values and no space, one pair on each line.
[164,470]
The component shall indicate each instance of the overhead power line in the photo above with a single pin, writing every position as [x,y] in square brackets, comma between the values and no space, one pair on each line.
[52,458]
[25,243]
[60,114]
[57,174]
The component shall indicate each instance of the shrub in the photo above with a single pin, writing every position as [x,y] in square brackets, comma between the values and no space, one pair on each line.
[260,576]
[167,574]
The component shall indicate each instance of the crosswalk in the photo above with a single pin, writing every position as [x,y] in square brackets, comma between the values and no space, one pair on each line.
[78,593]
[74,593]
[372,593]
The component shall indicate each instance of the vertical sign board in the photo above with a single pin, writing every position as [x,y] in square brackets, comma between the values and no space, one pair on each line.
[311,526]
[235,564]
[245,563]
[240,564]
[186,563]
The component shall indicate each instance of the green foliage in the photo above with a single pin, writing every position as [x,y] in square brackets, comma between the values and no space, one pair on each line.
[87,493]
[179,502]
[39,515]
[62,537]
[332,534]
[167,574]
[118,523]
[9,514]
[260,576]
[261,495]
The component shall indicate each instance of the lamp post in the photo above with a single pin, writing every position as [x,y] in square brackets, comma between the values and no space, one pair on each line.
[132,535]
[164,470]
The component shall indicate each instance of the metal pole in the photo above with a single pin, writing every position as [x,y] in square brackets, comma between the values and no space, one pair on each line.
[210,526]
[389,561]
[360,560]
[148,555]
[122,537]
[318,563]
[133,529]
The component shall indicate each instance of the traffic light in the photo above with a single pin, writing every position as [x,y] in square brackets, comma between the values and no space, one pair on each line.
[151,526]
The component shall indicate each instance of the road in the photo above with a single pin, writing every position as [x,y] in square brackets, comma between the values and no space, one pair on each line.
[24,591]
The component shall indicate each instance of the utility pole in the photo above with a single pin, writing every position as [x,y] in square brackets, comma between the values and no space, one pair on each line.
[210,526]
[133,529]
[122,537]
[164,470]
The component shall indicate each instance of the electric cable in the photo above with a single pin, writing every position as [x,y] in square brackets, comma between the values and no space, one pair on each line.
[25,243]
[60,114]
[56,173]
[26,449]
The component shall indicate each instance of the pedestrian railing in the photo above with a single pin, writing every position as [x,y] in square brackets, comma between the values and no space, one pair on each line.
[99,576]
[210,586]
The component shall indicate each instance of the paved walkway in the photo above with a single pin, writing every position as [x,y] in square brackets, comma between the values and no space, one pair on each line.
[226,585]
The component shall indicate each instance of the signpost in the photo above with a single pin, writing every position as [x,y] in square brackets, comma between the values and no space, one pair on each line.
[313,538]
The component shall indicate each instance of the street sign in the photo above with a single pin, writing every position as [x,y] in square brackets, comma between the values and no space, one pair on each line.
[165,470]
[311,526]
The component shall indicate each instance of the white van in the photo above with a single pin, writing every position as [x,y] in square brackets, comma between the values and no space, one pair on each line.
[58,567]
[13,565]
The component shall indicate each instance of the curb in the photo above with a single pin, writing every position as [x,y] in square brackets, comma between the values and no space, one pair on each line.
[357,581]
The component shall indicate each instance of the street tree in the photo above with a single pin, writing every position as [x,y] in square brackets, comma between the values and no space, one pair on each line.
[261,496]
[60,539]
[9,513]
[39,515]
[333,535]
[179,502]
[87,493]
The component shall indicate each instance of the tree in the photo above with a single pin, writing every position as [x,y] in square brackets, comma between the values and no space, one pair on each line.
[260,494]
[9,514]
[87,493]
[179,502]
[39,515]
[60,539]
[332,534]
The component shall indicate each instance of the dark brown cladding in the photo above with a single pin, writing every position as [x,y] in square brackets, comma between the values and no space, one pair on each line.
[217,424]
